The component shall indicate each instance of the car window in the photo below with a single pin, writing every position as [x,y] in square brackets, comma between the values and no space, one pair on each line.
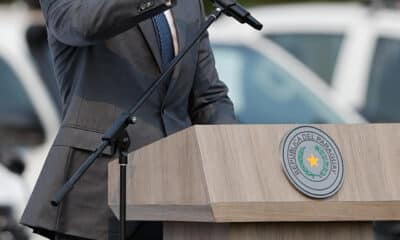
[383,98]
[317,51]
[264,92]
[19,123]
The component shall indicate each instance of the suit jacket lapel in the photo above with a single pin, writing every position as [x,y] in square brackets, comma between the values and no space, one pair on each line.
[149,34]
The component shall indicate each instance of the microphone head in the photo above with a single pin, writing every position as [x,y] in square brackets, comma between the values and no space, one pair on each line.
[254,23]
[233,9]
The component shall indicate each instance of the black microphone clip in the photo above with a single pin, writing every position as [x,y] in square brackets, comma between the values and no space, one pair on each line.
[237,11]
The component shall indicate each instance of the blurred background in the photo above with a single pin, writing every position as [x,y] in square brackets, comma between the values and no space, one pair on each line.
[314,62]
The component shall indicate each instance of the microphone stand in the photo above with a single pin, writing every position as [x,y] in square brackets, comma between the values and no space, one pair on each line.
[117,137]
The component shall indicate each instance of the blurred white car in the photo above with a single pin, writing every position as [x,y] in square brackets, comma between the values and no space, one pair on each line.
[29,118]
[354,48]
[268,85]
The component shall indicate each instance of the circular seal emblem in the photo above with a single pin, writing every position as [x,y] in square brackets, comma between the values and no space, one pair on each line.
[312,162]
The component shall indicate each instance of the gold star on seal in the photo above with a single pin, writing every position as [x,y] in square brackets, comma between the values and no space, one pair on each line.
[313,160]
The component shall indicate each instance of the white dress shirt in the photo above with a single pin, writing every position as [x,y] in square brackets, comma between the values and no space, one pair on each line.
[171,24]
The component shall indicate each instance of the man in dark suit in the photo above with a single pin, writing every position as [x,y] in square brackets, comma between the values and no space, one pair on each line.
[104,58]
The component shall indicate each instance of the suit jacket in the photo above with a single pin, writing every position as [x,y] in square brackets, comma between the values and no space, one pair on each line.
[105,57]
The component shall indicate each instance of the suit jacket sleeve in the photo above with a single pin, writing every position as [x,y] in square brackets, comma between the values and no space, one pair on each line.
[209,101]
[84,22]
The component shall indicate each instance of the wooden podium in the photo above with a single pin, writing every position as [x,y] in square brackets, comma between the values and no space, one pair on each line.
[226,182]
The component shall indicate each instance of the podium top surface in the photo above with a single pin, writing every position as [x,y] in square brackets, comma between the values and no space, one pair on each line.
[233,173]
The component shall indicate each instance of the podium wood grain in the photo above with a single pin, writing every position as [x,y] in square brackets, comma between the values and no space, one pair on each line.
[233,173]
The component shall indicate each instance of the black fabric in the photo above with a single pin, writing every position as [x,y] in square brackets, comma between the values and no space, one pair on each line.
[137,231]
[114,228]
[388,230]
[67,237]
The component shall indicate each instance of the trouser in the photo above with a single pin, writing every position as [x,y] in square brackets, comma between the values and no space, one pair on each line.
[153,231]
[387,230]
[67,237]
[144,231]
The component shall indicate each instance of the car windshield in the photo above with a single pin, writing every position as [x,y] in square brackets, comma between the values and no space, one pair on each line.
[319,52]
[382,102]
[264,92]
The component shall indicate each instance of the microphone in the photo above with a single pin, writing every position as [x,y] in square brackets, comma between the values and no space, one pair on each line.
[237,11]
